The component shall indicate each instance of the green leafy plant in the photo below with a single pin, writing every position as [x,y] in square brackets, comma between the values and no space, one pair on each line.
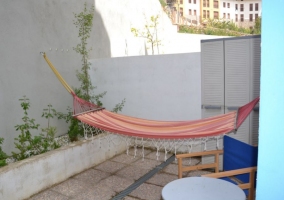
[3,155]
[149,32]
[84,21]
[163,3]
[220,27]
[25,142]
[257,26]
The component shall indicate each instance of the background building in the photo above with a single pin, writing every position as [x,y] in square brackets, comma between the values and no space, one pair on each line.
[242,12]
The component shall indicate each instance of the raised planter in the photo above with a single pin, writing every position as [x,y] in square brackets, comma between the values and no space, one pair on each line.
[25,178]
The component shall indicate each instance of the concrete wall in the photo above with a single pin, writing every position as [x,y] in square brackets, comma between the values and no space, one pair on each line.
[30,26]
[270,163]
[22,179]
[120,16]
[27,28]
[161,87]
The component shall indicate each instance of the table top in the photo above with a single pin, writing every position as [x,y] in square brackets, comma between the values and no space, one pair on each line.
[202,188]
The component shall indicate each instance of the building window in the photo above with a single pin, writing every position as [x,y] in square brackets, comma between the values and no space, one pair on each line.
[250,17]
[194,12]
[236,6]
[256,7]
[181,11]
[250,7]
[224,5]
[206,14]
[216,15]
[228,15]
[242,7]
[181,1]
[228,5]
[242,17]
[224,15]
[189,11]
[206,3]
[236,17]
[256,16]
[216,4]
[189,1]
[194,1]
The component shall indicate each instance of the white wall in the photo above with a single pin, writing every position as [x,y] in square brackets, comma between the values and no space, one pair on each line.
[160,87]
[27,28]
[120,16]
[25,178]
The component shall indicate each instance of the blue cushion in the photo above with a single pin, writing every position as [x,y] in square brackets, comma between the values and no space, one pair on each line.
[239,155]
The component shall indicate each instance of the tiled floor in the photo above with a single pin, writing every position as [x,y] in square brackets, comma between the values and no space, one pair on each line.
[104,181]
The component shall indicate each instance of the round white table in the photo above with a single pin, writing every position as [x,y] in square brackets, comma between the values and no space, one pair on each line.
[202,188]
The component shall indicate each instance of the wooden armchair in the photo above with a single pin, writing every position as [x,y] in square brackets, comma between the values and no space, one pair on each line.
[239,164]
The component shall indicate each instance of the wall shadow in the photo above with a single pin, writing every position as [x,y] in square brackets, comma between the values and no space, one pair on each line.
[100,38]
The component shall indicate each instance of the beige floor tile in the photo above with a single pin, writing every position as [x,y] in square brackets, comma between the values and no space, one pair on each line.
[148,192]
[49,195]
[71,187]
[91,176]
[110,166]
[116,183]
[132,172]
[161,179]
[146,164]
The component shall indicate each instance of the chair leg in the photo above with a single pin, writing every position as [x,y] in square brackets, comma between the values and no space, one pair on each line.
[179,167]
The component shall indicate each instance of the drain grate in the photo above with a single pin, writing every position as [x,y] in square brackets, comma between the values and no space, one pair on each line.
[144,178]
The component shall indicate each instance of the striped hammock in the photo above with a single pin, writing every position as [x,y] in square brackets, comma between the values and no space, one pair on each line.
[214,127]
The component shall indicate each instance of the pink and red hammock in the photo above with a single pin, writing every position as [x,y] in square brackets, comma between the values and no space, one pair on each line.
[97,117]
[92,115]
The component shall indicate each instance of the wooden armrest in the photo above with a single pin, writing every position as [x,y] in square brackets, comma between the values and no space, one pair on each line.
[232,172]
[249,186]
[198,167]
[203,153]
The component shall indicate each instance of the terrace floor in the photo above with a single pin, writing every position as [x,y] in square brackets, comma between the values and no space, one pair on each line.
[106,180]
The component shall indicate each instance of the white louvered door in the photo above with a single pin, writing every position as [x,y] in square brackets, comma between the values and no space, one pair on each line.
[255,88]
[237,81]
[230,74]
[212,86]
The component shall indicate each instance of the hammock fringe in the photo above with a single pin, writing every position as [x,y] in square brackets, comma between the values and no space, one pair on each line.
[96,118]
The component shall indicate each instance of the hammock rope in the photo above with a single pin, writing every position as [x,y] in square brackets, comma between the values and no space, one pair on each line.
[163,134]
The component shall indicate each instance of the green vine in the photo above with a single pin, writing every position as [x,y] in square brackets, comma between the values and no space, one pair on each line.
[84,22]
[3,155]
[29,145]
[150,33]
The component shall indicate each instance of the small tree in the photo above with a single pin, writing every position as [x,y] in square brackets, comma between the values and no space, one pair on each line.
[257,26]
[84,22]
[150,32]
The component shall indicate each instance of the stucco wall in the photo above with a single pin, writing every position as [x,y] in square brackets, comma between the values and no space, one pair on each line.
[120,16]
[161,87]
[30,26]
[22,179]
[27,28]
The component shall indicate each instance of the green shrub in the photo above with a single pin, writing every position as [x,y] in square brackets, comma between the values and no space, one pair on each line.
[25,142]
[222,28]
[3,155]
